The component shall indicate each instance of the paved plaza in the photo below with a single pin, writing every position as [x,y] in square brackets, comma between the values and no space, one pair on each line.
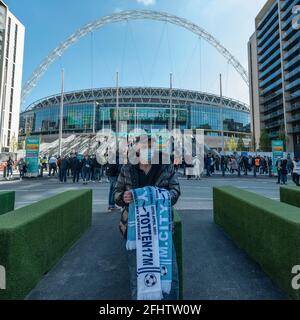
[95,267]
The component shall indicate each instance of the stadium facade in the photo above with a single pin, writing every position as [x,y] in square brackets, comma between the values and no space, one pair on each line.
[87,111]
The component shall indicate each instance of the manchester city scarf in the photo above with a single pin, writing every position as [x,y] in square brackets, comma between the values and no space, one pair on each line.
[150,234]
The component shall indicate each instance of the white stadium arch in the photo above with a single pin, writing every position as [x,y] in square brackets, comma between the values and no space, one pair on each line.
[124,16]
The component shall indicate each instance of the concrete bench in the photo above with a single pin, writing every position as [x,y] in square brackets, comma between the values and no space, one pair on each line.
[35,237]
[7,201]
[268,230]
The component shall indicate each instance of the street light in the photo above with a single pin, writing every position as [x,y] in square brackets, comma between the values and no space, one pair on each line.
[94,117]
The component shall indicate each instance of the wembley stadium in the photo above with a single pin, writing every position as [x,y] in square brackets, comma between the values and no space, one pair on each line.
[88,111]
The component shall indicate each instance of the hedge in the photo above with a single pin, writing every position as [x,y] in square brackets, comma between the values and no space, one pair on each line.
[7,201]
[269,231]
[290,195]
[34,238]
[178,243]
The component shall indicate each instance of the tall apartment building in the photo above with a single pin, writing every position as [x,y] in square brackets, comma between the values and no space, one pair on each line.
[12,34]
[274,71]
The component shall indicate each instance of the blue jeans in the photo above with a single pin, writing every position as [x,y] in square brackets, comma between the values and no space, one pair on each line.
[86,172]
[131,259]
[111,197]
[98,173]
[9,171]
[283,178]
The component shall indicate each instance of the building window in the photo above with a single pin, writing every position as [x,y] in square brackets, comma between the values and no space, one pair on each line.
[13,76]
[8,37]
[15,45]
[11,100]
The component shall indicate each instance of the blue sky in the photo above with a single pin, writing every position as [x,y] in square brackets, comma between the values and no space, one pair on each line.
[144,52]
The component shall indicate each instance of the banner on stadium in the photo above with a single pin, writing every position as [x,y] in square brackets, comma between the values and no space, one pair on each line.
[32,156]
[277,152]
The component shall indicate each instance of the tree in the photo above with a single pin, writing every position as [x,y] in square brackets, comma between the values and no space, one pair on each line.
[265,141]
[14,144]
[240,144]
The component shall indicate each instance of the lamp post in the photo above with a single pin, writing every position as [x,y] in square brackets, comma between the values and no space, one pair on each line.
[171,111]
[222,113]
[61,117]
[94,117]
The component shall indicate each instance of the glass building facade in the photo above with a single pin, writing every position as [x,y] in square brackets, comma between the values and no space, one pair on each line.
[137,108]
[275,65]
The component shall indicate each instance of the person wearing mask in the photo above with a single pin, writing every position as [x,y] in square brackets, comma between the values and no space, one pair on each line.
[296,171]
[142,174]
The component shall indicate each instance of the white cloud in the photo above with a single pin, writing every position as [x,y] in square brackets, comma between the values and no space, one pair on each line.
[147,2]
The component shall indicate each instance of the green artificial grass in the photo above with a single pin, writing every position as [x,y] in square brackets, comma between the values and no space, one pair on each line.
[7,201]
[269,231]
[35,237]
[290,195]
[178,244]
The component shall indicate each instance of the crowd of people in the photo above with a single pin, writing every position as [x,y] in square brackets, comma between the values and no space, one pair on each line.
[88,169]
[245,165]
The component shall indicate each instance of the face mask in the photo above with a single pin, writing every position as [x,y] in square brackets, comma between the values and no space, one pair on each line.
[146,156]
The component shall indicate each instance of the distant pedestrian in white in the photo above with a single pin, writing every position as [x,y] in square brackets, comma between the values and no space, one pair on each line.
[197,168]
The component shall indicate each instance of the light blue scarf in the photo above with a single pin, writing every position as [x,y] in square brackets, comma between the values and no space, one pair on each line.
[150,234]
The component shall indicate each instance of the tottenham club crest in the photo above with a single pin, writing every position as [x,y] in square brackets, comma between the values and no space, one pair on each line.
[150,280]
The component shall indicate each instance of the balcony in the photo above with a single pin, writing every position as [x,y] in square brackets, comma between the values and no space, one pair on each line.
[293,107]
[264,100]
[287,23]
[294,38]
[271,77]
[291,63]
[274,124]
[272,115]
[276,64]
[288,10]
[275,37]
[294,118]
[264,56]
[295,129]
[290,52]
[272,86]
[292,85]
[293,96]
[268,25]
[274,56]
[272,29]
[273,105]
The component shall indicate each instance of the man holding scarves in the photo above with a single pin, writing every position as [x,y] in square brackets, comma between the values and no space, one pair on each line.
[147,192]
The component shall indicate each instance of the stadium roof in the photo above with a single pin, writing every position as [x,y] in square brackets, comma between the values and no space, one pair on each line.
[145,95]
